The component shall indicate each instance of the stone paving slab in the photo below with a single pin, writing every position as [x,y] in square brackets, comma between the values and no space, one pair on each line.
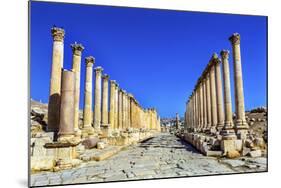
[160,157]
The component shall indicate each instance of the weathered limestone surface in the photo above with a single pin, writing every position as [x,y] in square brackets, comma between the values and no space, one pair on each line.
[67,109]
[55,82]
[151,159]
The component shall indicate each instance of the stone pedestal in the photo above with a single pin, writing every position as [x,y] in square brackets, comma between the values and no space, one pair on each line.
[55,82]
[241,125]
[66,126]
[76,67]
[87,113]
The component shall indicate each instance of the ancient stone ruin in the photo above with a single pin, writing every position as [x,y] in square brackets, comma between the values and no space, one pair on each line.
[71,136]
[209,123]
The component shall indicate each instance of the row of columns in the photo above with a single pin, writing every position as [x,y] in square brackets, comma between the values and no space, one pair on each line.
[209,107]
[115,109]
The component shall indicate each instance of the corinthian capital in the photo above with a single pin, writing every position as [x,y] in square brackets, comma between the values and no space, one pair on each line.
[77,48]
[58,33]
[224,54]
[90,60]
[235,38]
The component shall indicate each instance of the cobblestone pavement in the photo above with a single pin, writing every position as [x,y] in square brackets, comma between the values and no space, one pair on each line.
[162,156]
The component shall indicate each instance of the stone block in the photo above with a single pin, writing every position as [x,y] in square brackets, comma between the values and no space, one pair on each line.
[42,163]
[100,145]
[231,145]
[256,153]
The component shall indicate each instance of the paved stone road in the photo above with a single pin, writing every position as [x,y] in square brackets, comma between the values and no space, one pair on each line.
[161,156]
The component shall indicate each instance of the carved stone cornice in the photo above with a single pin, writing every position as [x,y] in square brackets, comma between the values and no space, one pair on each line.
[235,38]
[90,60]
[77,48]
[57,33]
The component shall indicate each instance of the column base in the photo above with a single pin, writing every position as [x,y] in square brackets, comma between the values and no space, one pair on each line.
[87,131]
[241,128]
[213,130]
[71,139]
[78,132]
[242,134]
[228,134]
[219,126]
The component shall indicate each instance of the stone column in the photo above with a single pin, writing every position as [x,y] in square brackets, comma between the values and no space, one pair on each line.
[209,107]
[55,81]
[128,110]
[228,131]
[67,108]
[124,108]
[97,112]
[112,103]
[87,114]
[76,67]
[194,110]
[204,104]
[240,124]
[198,108]
[213,96]
[104,117]
[120,109]
[219,93]
[116,125]
[201,106]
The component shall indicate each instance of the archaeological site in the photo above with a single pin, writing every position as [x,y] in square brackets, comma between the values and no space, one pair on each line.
[94,128]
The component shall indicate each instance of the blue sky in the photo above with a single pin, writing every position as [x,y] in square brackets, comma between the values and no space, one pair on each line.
[157,55]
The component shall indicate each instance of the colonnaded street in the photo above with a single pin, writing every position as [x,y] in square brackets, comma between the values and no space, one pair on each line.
[161,156]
